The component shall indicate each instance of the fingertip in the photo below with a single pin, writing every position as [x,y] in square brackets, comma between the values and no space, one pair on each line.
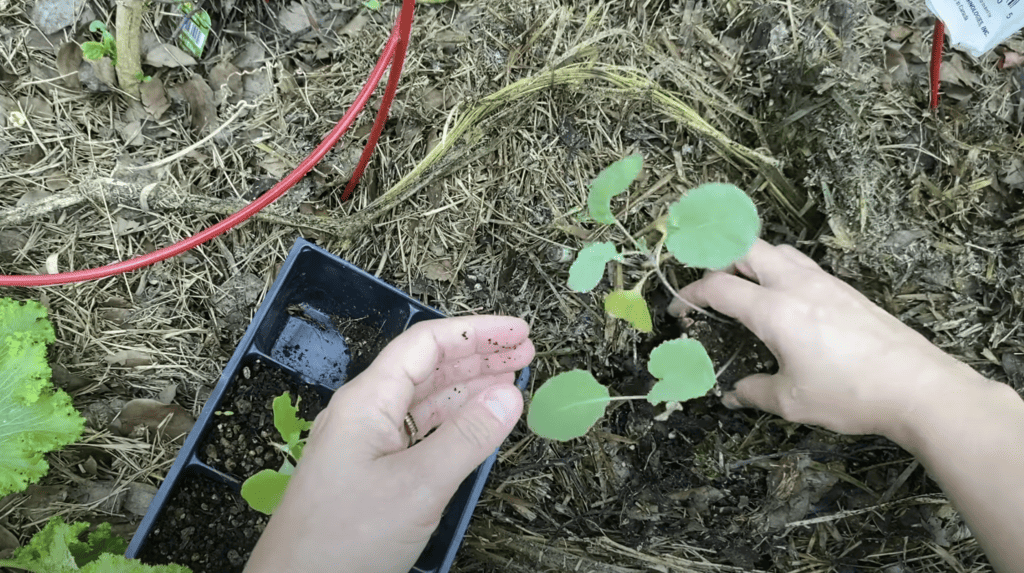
[730,401]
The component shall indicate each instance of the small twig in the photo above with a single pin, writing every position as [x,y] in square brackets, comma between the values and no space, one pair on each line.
[242,105]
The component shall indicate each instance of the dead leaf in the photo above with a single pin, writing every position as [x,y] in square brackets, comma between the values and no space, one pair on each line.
[69,59]
[168,56]
[143,414]
[1011,60]
[900,33]
[439,270]
[355,24]
[956,71]
[104,71]
[54,15]
[129,358]
[154,98]
[251,57]
[131,133]
[201,105]
[8,543]
[140,495]
[166,395]
[32,196]
[226,82]
[64,378]
[294,18]
[896,66]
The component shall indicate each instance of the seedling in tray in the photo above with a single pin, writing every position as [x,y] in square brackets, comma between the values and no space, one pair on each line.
[711,227]
[264,491]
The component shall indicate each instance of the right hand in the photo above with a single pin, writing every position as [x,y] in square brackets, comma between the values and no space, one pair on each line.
[844,363]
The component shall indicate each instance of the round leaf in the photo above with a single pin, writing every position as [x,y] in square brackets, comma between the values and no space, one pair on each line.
[264,491]
[712,226]
[629,305]
[683,369]
[613,180]
[567,405]
[588,268]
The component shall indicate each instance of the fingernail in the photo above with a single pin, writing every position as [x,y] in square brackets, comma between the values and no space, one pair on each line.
[498,401]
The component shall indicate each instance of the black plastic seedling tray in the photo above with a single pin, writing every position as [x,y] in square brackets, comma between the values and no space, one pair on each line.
[296,330]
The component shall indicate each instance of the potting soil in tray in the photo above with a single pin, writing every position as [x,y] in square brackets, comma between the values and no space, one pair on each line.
[206,526]
[241,440]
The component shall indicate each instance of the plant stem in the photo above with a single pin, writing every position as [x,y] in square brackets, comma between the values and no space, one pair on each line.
[673,292]
[129,28]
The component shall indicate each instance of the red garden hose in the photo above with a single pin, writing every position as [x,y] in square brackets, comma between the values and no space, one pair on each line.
[393,53]
[938,39]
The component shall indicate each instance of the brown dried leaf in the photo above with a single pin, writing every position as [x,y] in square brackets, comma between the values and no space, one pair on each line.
[201,104]
[129,358]
[896,66]
[131,134]
[143,414]
[104,71]
[69,58]
[167,395]
[956,71]
[439,270]
[294,18]
[226,82]
[168,56]
[154,98]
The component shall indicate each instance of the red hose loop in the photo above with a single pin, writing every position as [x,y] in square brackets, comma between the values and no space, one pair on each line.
[938,39]
[398,42]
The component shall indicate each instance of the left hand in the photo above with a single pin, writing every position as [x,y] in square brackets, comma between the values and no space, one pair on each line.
[361,499]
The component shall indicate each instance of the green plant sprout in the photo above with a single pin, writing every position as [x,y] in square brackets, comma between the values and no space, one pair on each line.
[711,227]
[264,491]
[105,47]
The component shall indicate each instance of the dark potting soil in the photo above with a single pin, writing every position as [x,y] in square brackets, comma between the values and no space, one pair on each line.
[363,339]
[241,439]
[205,526]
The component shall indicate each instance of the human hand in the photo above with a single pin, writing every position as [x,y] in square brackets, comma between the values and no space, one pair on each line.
[361,498]
[844,363]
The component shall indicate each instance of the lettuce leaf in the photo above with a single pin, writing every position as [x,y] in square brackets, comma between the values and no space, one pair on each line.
[58,549]
[34,417]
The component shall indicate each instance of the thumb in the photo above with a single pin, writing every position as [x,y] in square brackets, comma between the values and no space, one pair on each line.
[755,391]
[464,441]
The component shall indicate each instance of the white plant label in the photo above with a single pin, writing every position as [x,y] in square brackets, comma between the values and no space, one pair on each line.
[977,26]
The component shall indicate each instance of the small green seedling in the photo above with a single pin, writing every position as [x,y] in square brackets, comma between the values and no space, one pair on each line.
[711,226]
[264,491]
[105,47]
[372,4]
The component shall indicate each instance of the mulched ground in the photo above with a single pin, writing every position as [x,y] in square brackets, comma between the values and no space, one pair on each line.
[505,112]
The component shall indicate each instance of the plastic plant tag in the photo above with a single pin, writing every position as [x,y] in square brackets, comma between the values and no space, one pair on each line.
[977,26]
[194,29]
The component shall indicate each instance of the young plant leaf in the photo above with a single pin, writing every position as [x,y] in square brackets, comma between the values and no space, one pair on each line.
[587,269]
[629,305]
[92,50]
[264,491]
[613,180]
[683,369]
[567,405]
[286,419]
[712,226]
[97,26]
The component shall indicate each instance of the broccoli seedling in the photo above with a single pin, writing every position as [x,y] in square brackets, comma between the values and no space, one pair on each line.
[264,491]
[710,226]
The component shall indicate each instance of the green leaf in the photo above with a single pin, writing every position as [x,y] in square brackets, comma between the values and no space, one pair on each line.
[567,405]
[588,268]
[110,563]
[287,421]
[97,26]
[613,180]
[712,226]
[34,417]
[629,305]
[265,490]
[100,541]
[684,371]
[372,4]
[92,50]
